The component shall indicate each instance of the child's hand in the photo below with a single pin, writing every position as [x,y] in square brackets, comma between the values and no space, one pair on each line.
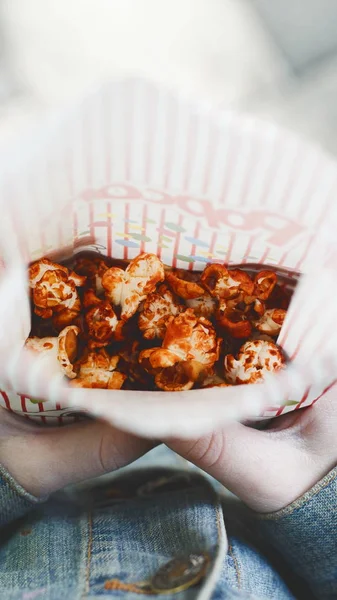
[44,460]
[269,469]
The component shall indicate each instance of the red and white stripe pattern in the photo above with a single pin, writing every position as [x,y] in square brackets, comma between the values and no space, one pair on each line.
[271,197]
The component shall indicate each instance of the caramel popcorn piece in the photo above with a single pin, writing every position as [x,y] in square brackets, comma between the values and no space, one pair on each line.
[214,380]
[100,323]
[192,338]
[40,345]
[170,375]
[44,313]
[78,280]
[234,319]
[186,275]
[163,364]
[154,314]
[271,321]
[67,350]
[37,270]
[255,359]
[93,268]
[65,317]
[183,287]
[132,365]
[105,315]
[54,291]
[62,349]
[195,370]
[98,370]
[224,284]
[240,328]
[130,287]
[264,283]
[203,306]
[90,298]
[173,379]
[116,381]
[153,359]
[259,307]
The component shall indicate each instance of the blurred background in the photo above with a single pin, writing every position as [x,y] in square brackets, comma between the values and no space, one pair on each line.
[275,58]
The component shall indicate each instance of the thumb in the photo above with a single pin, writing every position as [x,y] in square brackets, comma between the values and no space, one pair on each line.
[263,468]
[45,460]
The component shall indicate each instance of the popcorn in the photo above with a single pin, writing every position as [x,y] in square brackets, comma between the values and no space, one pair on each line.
[97,369]
[259,307]
[233,319]
[192,338]
[238,296]
[271,321]
[127,328]
[170,375]
[214,380]
[173,379]
[90,298]
[59,352]
[224,284]
[203,306]
[154,314]
[78,280]
[255,359]
[190,347]
[101,323]
[184,274]
[54,291]
[183,287]
[130,287]
[38,269]
[42,345]
[264,283]
[152,359]
[93,268]
[67,350]
[132,365]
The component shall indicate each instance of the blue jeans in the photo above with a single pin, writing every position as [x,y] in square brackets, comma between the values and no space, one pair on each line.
[109,538]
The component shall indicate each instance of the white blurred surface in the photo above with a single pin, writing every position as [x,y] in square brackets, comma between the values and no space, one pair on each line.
[212,47]
[218,50]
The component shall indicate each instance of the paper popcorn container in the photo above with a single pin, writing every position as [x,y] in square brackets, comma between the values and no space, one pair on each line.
[134,168]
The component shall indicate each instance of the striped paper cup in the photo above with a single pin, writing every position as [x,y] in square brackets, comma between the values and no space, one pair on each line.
[136,169]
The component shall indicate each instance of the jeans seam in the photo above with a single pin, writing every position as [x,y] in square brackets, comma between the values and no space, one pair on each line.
[300,502]
[236,565]
[207,589]
[218,511]
[17,488]
[89,553]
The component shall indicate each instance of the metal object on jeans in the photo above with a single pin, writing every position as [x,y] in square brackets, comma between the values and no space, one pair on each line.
[165,483]
[180,574]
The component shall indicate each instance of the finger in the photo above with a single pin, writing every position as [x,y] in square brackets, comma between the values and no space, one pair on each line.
[53,458]
[12,423]
[255,465]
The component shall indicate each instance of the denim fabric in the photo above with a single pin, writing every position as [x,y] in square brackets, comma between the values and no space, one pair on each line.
[14,500]
[306,534]
[87,541]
